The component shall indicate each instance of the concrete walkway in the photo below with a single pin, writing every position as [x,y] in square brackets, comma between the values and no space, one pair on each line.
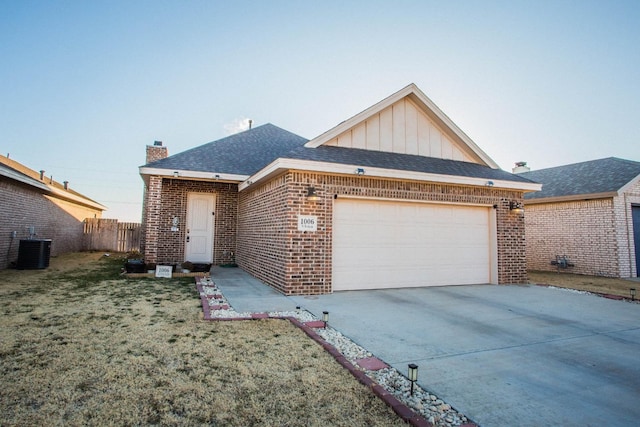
[246,293]
[502,355]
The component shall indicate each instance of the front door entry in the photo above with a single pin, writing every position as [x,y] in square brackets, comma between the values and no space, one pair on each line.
[199,233]
[635,214]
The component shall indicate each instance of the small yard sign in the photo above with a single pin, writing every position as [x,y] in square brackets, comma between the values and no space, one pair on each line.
[164,271]
[307,223]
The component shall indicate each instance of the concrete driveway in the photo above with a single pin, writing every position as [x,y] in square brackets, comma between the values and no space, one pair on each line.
[502,355]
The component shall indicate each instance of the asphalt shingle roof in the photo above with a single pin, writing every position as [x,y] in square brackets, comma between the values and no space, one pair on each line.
[404,162]
[247,152]
[592,177]
[243,153]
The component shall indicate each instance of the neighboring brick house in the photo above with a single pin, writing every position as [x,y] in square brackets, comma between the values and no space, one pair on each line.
[31,201]
[588,213]
[396,196]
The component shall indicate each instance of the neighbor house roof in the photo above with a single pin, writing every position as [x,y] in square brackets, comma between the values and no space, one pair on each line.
[592,179]
[16,171]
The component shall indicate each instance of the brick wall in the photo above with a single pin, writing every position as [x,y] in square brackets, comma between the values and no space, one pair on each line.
[166,198]
[271,248]
[584,231]
[53,218]
[624,225]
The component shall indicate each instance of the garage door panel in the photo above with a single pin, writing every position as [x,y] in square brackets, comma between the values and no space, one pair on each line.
[382,244]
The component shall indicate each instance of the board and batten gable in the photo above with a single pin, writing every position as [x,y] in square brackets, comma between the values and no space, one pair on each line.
[407,122]
[402,128]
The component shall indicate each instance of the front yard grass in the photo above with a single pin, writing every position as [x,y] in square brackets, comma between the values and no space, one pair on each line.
[597,284]
[81,345]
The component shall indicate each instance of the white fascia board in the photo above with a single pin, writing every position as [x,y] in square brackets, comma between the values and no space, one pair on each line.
[628,185]
[281,165]
[454,128]
[17,176]
[571,198]
[62,194]
[351,122]
[418,95]
[196,175]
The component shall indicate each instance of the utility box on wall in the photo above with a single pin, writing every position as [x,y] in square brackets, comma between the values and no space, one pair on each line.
[34,254]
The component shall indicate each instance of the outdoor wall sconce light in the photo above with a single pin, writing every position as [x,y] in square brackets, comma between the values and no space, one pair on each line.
[489,184]
[413,375]
[516,206]
[312,196]
[632,292]
[325,318]
[217,176]
[176,174]
[360,171]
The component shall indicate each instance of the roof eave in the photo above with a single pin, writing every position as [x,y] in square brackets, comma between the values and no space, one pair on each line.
[17,176]
[280,165]
[191,175]
[50,189]
[628,185]
[62,194]
[570,198]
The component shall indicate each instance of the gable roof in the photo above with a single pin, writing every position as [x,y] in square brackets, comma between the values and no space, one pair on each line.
[267,150]
[592,179]
[18,172]
[428,121]
[240,154]
[260,152]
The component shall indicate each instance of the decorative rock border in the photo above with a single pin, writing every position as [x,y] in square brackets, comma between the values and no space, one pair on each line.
[367,369]
[598,294]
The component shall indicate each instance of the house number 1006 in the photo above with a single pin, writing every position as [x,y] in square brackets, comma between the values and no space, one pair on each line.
[307,223]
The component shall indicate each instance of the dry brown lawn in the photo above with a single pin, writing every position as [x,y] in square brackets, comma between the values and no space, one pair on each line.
[80,345]
[597,284]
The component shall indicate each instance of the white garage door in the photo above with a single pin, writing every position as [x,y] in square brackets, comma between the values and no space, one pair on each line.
[380,244]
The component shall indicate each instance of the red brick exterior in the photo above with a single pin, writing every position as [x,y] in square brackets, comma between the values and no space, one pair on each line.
[156,152]
[271,248]
[166,198]
[53,218]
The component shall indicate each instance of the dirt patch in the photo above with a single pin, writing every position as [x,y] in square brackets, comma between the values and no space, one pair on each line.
[80,345]
[601,285]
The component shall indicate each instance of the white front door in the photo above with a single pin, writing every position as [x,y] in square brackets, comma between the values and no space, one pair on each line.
[200,221]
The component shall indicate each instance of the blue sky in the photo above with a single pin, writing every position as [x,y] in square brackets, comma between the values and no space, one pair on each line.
[86,85]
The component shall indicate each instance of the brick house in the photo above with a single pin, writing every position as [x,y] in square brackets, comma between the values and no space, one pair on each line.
[32,202]
[588,213]
[395,196]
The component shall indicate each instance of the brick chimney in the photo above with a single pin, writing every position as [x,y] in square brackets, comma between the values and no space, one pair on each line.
[156,152]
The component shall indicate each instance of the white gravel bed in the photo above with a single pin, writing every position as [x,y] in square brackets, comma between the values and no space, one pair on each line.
[426,404]
[573,291]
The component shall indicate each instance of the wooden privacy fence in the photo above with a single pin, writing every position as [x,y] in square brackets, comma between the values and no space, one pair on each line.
[102,234]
